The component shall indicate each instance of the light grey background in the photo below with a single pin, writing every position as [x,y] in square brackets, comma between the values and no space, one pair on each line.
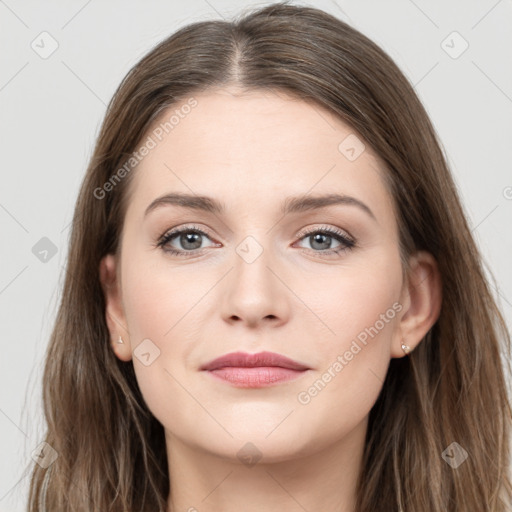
[51,109]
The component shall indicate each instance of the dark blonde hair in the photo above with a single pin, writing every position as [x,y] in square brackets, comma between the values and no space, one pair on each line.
[452,387]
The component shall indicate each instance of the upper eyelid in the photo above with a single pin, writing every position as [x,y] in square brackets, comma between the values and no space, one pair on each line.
[307,231]
[181,229]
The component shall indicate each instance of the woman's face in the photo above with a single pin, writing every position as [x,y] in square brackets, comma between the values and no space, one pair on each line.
[274,268]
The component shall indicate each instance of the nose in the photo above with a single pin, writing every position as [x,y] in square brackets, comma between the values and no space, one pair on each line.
[254,292]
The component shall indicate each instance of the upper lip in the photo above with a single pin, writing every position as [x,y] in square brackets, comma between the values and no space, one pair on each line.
[243,359]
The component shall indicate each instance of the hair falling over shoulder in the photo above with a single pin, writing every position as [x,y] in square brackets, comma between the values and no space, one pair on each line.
[451,388]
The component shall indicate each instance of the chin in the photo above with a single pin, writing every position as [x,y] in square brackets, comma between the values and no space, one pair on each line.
[255,445]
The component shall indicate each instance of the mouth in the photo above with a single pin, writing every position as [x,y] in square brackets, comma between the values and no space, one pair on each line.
[254,370]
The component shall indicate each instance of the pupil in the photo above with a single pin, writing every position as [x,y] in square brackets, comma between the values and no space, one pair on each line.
[190,238]
[318,239]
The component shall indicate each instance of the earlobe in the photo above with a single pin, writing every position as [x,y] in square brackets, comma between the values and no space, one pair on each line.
[423,295]
[114,314]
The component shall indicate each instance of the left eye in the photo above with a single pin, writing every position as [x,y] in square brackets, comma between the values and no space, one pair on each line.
[322,237]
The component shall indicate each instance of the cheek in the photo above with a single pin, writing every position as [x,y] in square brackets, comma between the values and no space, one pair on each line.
[158,298]
[359,310]
[362,313]
[153,306]
[156,314]
[356,302]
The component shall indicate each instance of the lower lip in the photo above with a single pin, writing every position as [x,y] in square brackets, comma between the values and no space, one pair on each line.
[257,377]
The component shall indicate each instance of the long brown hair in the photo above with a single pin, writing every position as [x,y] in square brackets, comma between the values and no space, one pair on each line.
[451,388]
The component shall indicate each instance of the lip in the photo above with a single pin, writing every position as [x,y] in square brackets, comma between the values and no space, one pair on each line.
[245,360]
[254,370]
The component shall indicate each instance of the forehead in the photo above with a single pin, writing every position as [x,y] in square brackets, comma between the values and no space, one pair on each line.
[255,147]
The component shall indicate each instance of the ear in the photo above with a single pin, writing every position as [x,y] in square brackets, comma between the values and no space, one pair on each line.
[421,298]
[114,313]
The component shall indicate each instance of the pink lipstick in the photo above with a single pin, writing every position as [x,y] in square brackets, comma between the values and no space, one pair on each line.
[254,370]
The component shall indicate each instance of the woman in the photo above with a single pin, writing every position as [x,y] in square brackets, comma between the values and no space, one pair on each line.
[328,341]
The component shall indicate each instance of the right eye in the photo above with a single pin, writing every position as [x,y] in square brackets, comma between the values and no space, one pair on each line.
[189,237]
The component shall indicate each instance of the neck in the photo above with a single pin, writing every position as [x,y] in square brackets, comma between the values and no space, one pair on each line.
[321,480]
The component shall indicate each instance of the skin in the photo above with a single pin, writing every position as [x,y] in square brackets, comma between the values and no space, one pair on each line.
[251,150]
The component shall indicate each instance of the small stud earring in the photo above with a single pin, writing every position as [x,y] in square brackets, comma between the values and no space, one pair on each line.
[120,340]
[406,348]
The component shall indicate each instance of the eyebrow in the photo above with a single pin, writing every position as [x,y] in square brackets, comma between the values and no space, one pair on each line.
[290,205]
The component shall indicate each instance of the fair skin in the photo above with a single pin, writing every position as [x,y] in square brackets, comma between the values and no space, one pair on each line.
[250,151]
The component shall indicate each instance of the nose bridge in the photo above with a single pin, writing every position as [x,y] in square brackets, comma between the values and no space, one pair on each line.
[252,261]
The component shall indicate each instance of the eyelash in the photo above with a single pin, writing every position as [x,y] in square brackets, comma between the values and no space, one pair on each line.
[332,232]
